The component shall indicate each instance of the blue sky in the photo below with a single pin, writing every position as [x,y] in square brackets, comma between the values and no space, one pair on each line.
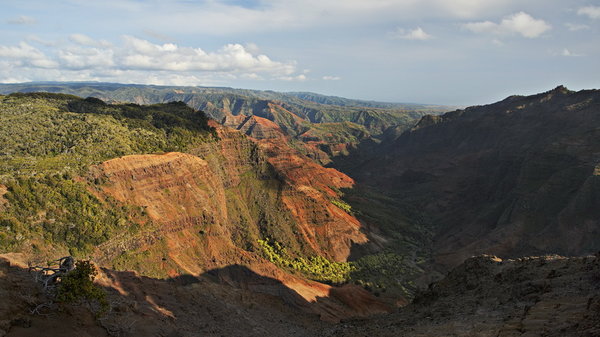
[431,51]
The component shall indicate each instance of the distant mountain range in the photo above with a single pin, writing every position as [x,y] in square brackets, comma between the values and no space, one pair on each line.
[343,122]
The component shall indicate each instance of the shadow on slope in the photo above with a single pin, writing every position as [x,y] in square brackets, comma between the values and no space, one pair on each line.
[513,178]
[229,301]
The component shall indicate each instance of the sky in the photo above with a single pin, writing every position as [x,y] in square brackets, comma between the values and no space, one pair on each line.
[458,52]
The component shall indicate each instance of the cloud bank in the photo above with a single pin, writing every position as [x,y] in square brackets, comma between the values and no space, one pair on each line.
[593,12]
[135,60]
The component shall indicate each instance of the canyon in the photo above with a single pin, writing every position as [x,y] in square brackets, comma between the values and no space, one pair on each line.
[271,217]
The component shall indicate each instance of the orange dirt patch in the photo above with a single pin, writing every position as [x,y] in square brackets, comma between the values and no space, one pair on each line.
[3,201]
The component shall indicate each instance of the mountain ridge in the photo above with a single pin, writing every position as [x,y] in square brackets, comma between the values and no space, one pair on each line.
[509,170]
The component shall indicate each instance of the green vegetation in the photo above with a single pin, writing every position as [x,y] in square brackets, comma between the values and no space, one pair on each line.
[47,139]
[379,273]
[343,205]
[42,132]
[317,268]
[78,286]
[58,210]
[385,271]
[337,133]
[152,261]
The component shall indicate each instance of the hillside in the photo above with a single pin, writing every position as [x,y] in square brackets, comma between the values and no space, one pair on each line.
[514,178]
[488,296]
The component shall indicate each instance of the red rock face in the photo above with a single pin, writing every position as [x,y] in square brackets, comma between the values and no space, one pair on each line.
[307,191]
[171,186]
[255,127]
[329,230]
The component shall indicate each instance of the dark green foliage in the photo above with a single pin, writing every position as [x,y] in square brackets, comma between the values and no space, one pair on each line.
[385,271]
[180,123]
[162,116]
[42,95]
[78,286]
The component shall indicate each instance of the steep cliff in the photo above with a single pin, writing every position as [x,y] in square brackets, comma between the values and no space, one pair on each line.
[208,210]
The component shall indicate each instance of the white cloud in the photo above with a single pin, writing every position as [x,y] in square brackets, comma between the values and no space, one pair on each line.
[412,34]
[85,58]
[518,23]
[576,27]
[26,55]
[39,40]
[22,20]
[567,52]
[300,77]
[158,36]
[142,54]
[331,78]
[591,11]
[252,48]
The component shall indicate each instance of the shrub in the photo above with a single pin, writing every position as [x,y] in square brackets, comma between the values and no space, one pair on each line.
[78,286]
[343,205]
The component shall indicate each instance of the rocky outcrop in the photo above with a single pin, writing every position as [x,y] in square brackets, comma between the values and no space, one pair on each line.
[255,127]
[486,296]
